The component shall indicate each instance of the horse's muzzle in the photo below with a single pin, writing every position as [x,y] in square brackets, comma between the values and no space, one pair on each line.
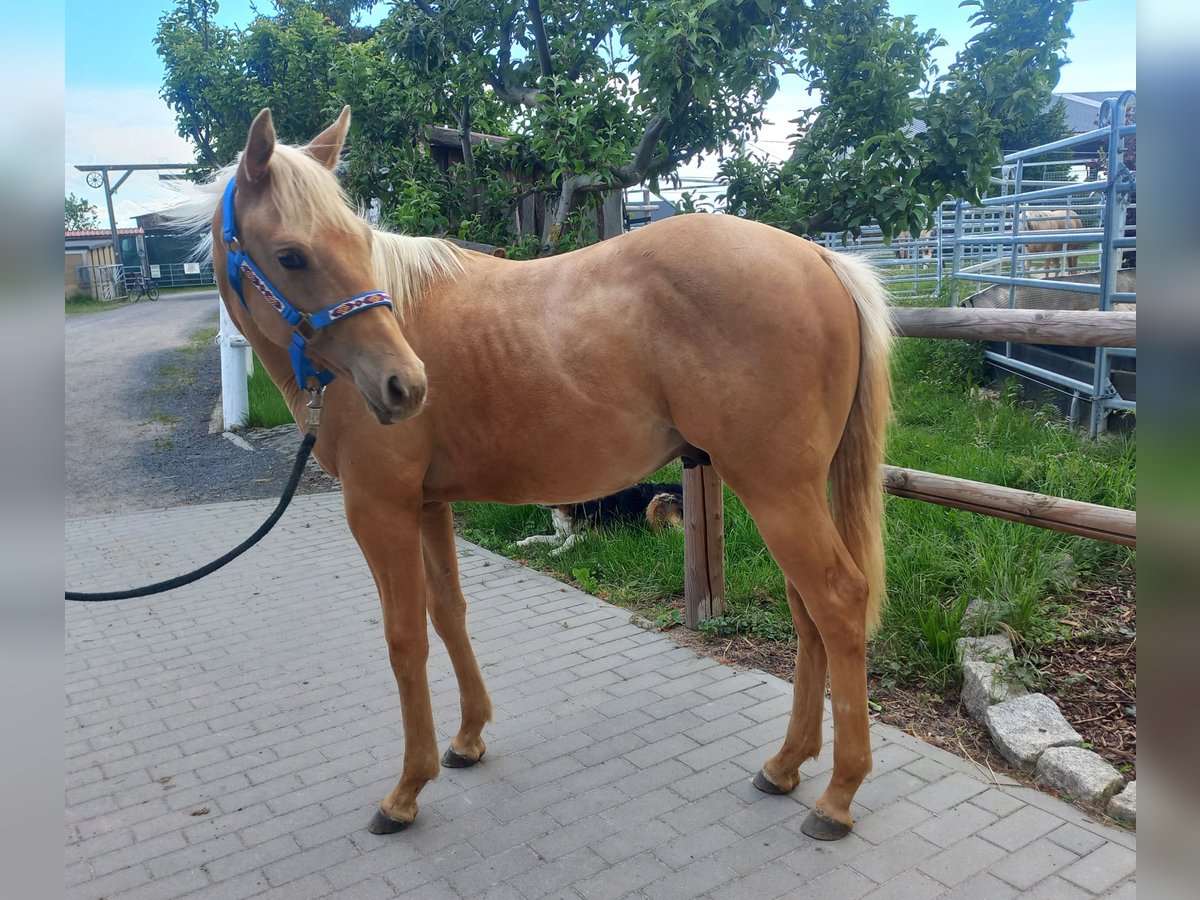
[396,397]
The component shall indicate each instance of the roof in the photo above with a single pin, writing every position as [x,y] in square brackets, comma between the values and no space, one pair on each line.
[1083,108]
[84,233]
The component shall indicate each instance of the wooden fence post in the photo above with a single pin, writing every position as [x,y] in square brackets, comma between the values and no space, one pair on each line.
[703,545]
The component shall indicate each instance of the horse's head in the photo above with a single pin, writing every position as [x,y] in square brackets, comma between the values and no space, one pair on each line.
[296,240]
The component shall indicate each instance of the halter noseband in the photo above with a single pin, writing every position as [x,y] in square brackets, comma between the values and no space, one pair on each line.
[305,326]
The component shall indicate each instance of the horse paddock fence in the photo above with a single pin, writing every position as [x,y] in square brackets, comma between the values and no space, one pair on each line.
[704,542]
[1043,238]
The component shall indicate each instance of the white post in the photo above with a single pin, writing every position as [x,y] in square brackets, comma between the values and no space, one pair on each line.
[235,371]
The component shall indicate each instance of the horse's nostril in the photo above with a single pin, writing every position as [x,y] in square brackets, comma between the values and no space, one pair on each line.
[396,394]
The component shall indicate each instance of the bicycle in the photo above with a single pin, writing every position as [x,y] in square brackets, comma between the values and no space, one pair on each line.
[143,287]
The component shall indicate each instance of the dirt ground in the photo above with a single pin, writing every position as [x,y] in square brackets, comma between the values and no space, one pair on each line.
[140,394]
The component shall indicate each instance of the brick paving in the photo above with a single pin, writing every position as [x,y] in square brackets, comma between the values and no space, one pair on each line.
[231,740]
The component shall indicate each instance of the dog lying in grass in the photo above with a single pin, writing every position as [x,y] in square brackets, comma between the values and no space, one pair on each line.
[658,505]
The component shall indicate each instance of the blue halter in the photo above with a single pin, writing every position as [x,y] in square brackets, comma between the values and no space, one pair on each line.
[305,326]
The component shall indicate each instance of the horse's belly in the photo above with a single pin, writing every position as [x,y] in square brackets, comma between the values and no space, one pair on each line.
[549,464]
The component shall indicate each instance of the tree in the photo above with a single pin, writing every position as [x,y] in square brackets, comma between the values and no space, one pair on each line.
[80,215]
[217,79]
[858,159]
[591,96]
[594,96]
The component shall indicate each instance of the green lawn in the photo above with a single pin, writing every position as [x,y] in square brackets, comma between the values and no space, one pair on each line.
[82,304]
[267,408]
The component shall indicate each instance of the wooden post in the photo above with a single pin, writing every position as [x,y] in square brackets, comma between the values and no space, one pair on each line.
[703,545]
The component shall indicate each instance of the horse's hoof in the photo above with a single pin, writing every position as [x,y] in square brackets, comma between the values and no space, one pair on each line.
[822,828]
[382,823]
[766,785]
[452,759]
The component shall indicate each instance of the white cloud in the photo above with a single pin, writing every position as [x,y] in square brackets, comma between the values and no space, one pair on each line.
[107,125]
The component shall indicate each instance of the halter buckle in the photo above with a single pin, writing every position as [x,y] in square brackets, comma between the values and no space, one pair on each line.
[316,397]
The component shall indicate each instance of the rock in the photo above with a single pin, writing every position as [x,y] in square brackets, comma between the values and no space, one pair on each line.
[1124,805]
[984,685]
[1025,727]
[983,662]
[993,648]
[1080,772]
[980,615]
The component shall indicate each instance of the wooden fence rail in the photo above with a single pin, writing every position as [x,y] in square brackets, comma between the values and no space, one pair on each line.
[1073,328]
[704,543]
[1104,523]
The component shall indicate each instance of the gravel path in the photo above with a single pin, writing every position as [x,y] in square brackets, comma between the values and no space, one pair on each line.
[139,399]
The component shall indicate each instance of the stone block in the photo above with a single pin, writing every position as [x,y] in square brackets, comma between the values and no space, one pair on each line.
[1124,805]
[1025,727]
[984,685]
[979,615]
[1079,772]
[993,648]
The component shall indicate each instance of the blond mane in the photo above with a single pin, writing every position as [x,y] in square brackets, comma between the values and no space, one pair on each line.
[310,199]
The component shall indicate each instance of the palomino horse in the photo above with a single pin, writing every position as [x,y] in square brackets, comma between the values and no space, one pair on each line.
[558,380]
[1039,219]
[909,249]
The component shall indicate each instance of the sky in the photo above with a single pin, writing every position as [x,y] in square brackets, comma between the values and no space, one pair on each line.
[113,113]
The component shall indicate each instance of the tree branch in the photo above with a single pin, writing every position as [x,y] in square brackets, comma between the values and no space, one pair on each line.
[519,96]
[468,152]
[525,96]
[538,24]
[627,176]
[648,146]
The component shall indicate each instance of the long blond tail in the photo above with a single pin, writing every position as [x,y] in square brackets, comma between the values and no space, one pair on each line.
[855,477]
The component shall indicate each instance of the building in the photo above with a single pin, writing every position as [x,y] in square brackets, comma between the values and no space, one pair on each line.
[92,266]
[171,255]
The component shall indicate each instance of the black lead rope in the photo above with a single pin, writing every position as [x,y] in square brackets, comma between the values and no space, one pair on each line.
[316,398]
[293,480]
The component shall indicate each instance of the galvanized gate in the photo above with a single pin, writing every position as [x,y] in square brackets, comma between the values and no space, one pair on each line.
[1041,241]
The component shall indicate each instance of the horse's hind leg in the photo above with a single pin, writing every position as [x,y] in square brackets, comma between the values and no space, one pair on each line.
[781,773]
[800,534]
[389,534]
[448,610]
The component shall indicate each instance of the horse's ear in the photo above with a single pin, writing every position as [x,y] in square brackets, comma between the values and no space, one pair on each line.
[259,147]
[326,146]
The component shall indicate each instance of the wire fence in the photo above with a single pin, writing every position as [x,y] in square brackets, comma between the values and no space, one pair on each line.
[114,282]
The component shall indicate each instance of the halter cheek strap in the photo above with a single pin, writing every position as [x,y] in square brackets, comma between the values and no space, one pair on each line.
[305,326]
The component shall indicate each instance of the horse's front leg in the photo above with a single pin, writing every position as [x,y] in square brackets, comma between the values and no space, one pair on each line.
[448,610]
[389,534]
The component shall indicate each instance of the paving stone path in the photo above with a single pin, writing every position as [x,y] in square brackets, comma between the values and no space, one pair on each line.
[231,739]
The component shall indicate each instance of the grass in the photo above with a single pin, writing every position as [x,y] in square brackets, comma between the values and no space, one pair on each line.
[267,407]
[938,559]
[177,375]
[82,304]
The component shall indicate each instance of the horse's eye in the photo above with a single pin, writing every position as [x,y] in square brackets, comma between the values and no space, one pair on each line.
[292,259]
